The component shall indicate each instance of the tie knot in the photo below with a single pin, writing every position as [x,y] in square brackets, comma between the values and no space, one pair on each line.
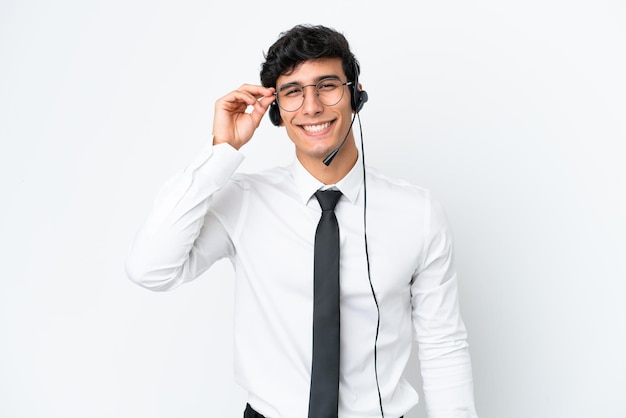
[328,199]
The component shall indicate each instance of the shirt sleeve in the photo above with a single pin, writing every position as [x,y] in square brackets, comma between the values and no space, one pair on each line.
[181,238]
[439,329]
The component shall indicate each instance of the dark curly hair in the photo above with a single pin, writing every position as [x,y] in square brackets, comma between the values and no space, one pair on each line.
[302,43]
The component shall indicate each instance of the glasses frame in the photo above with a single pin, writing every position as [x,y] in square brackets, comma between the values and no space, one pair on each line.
[317,94]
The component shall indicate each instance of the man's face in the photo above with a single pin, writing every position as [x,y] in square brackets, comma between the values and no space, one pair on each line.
[316,129]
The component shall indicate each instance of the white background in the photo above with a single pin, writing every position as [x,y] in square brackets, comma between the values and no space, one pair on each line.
[513,113]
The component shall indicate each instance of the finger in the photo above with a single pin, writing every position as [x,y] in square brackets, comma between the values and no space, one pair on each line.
[260,108]
[235,100]
[265,102]
[257,91]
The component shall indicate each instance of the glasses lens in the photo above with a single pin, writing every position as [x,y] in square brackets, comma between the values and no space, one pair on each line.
[329,92]
[290,97]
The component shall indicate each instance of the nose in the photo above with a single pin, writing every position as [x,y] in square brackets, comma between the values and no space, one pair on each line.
[312,104]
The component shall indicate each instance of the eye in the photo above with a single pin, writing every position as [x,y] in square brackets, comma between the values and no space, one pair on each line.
[291,91]
[328,85]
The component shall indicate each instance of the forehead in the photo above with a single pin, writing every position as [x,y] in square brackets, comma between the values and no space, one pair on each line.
[311,71]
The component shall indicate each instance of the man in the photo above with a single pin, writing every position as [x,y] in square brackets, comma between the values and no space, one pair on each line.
[394,277]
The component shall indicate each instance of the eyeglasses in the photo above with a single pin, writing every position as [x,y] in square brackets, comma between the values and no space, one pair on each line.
[329,91]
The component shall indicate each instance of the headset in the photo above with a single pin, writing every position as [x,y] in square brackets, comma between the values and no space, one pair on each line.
[358,98]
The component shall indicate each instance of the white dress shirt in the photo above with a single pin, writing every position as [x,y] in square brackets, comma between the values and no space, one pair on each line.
[265,224]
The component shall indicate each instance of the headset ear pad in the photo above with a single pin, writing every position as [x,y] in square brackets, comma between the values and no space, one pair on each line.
[274,114]
[359,97]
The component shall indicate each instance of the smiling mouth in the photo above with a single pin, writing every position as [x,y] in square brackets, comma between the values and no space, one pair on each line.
[316,128]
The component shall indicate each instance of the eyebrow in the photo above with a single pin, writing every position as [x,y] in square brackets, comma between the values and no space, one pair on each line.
[317,80]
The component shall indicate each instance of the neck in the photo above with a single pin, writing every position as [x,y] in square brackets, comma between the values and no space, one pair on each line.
[338,168]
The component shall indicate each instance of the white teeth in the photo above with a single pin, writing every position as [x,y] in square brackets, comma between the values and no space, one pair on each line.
[316,128]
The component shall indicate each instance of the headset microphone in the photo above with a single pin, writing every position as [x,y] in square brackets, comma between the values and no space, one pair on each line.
[331,156]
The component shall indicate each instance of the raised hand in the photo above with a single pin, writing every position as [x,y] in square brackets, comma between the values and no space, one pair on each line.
[232,122]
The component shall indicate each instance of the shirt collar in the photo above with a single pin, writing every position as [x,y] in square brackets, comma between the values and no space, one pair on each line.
[307,185]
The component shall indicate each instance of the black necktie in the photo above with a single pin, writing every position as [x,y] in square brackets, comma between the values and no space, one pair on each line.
[324,396]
